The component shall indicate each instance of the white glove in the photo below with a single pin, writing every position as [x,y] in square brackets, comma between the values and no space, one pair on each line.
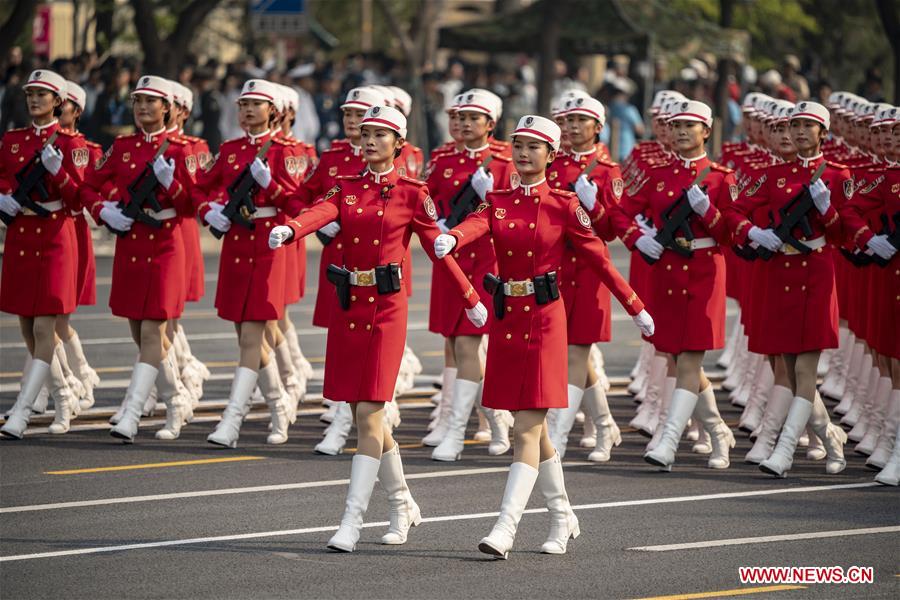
[821,196]
[164,171]
[586,191]
[279,235]
[261,173]
[644,322]
[478,315]
[698,199]
[649,246]
[52,159]
[442,225]
[9,205]
[113,216]
[765,238]
[482,182]
[443,244]
[645,225]
[215,217]
[880,246]
[332,229]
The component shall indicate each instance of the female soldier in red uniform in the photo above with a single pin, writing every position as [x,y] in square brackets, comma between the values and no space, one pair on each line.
[451,173]
[377,210]
[148,283]
[797,316]
[344,158]
[586,298]
[250,289]
[526,363]
[689,290]
[40,264]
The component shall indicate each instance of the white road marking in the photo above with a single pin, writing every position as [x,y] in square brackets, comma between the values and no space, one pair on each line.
[815,535]
[445,518]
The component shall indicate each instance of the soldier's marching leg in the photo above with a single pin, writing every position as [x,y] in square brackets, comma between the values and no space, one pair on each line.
[336,434]
[721,438]
[33,380]
[500,421]
[782,457]
[65,400]
[877,415]
[858,390]
[832,436]
[302,368]
[859,414]
[465,393]
[762,389]
[662,412]
[294,384]
[598,366]
[851,381]
[175,395]
[680,408]
[227,431]
[641,368]
[731,344]
[142,379]
[773,418]
[645,420]
[832,386]
[734,374]
[405,513]
[279,401]
[890,474]
[608,435]
[86,374]
[39,406]
[887,439]
[193,372]
[483,433]
[363,472]
[563,522]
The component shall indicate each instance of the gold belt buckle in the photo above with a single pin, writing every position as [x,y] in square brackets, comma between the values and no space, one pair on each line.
[683,242]
[246,214]
[788,249]
[28,212]
[365,278]
[517,288]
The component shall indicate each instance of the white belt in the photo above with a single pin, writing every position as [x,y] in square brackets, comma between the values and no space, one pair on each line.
[696,244]
[366,278]
[76,213]
[518,288]
[163,215]
[813,244]
[265,212]
[48,206]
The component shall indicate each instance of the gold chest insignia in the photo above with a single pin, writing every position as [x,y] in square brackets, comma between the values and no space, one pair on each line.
[848,189]
[14,148]
[733,191]
[618,187]
[231,158]
[660,186]
[126,157]
[332,171]
[350,200]
[80,157]
[448,173]
[499,213]
[782,181]
[514,180]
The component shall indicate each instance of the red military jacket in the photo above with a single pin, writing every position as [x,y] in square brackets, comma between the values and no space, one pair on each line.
[606,175]
[19,146]
[783,181]
[123,162]
[655,192]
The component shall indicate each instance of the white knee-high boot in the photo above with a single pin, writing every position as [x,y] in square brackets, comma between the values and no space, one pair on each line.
[563,522]
[680,409]
[465,393]
[175,396]
[405,512]
[564,419]
[87,375]
[779,463]
[363,472]
[336,434]
[721,438]
[32,382]
[519,484]
[228,430]
[142,379]
[279,402]
[608,434]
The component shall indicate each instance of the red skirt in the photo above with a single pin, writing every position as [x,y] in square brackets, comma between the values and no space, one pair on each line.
[887,308]
[86,278]
[148,280]
[193,256]
[527,359]
[251,275]
[326,298]
[39,266]
[688,301]
[365,346]
[799,312]
[292,275]
[587,301]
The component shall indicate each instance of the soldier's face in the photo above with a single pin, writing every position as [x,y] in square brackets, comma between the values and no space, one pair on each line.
[807,134]
[148,110]
[378,143]
[582,129]
[688,135]
[254,113]
[453,126]
[352,118]
[474,126]
[68,114]
[40,102]
[783,143]
[531,156]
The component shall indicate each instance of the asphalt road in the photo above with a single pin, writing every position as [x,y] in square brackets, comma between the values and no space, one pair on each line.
[83,516]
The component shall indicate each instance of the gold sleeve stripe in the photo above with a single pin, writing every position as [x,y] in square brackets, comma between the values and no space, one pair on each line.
[631,298]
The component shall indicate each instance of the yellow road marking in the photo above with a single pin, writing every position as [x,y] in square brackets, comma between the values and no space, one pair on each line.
[162,465]
[732,592]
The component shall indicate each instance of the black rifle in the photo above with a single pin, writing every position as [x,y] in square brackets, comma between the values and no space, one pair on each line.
[142,192]
[892,236]
[493,285]
[31,180]
[240,206]
[676,218]
[792,214]
[465,201]
[587,172]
